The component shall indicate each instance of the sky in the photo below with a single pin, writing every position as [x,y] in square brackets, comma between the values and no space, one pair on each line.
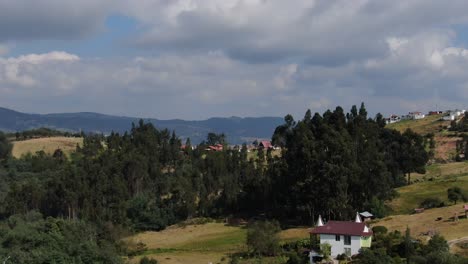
[195,59]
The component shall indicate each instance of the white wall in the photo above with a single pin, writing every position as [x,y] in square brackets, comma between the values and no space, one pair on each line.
[355,244]
[337,247]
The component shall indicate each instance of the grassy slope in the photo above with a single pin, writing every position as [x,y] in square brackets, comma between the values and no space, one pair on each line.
[430,124]
[443,177]
[201,244]
[426,221]
[445,141]
[48,145]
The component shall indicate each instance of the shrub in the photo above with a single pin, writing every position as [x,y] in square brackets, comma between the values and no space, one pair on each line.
[325,249]
[455,194]
[294,259]
[342,257]
[431,203]
[262,237]
[379,229]
[146,260]
[297,245]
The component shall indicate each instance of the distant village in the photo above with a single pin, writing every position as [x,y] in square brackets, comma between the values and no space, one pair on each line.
[449,115]
[254,146]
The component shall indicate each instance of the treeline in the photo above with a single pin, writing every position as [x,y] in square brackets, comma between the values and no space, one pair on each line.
[40,133]
[339,163]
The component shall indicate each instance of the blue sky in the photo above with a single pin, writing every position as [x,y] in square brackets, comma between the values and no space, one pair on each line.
[194,59]
[111,40]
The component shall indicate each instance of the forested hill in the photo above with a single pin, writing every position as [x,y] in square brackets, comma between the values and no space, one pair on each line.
[237,129]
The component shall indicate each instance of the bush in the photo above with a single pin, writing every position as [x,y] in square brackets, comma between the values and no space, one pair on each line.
[431,203]
[379,229]
[342,257]
[294,259]
[325,249]
[262,237]
[146,260]
[297,245]
[455,194]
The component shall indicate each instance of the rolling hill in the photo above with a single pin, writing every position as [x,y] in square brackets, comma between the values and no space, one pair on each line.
[238,130]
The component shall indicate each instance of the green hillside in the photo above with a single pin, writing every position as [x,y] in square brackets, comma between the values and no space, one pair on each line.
[445,140]
[432,185]
[430,124]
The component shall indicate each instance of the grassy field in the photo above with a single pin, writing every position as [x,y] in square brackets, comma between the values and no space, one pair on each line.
[426,221]
[200,244]
[434,184]
[48,145]
[430,124]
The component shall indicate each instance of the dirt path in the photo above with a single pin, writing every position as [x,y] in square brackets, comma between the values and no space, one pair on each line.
[456,241]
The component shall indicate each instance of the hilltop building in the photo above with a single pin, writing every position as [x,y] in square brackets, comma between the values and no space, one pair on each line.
[414,116]
[392,119]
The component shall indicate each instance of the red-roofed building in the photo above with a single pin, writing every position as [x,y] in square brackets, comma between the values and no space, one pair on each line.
[344,236]
[217,147]
[265,144]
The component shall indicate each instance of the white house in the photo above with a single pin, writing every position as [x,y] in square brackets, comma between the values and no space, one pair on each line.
[392,119]
[416,115]
[448,117]
[344,236]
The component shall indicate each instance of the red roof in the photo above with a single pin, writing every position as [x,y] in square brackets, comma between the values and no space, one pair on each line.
[217,147]
[265,144]
[342,228]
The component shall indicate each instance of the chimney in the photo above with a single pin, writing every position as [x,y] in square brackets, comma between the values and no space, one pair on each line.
[320,221]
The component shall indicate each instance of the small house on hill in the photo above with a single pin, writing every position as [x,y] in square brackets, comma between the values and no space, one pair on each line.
[448,117]
[346,237]
[392,119]
[416,115]
[265,144]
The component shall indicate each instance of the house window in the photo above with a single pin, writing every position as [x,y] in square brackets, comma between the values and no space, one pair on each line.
[337,237]
[347,251]
[347,240]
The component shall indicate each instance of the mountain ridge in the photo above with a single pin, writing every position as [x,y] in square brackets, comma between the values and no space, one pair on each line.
[237,129]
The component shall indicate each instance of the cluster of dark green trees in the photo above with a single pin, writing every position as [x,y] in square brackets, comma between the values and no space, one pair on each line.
[460,126]
[338,163]
[331,164]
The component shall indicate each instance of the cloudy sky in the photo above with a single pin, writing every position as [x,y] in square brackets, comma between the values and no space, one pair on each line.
[194,59]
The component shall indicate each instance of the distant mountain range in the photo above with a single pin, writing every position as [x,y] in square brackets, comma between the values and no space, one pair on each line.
[237,130]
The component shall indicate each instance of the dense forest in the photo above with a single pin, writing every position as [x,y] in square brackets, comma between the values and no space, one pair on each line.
[331,164]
